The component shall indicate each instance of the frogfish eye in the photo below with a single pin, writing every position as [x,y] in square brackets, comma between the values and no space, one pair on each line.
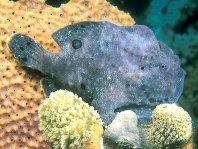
[76,44]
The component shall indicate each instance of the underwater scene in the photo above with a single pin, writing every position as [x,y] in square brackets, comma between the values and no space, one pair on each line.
[98,74]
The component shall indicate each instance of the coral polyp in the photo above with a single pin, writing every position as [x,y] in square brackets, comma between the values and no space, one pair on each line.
[69,122]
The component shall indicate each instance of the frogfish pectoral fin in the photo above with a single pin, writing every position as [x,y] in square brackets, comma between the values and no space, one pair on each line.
[49,85]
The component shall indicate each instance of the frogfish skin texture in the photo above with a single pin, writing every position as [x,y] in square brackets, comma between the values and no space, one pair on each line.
[112,67]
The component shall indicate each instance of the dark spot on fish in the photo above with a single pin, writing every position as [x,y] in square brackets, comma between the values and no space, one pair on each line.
[125,50]
[83,26]
[113,65]
[163,66]
[21,48]
[127,85]
[82,86]
[142,68]
[24,59]
[143,87]
[166,99]
[144,57]
[151,100]
[28,44]
[147,94]
[76,44]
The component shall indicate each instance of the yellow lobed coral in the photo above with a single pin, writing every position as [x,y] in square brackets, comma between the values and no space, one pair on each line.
[20,92]
[68,122]
[171,127]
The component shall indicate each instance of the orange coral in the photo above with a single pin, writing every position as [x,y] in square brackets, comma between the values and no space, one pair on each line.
[95,141]
[189,145]
[20,92]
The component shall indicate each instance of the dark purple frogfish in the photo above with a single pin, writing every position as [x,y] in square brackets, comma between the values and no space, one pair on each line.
[111,67]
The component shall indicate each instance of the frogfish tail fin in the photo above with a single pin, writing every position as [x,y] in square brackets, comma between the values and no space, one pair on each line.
[28,52]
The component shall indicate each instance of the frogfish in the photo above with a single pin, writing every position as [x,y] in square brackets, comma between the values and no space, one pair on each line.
[113,68]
